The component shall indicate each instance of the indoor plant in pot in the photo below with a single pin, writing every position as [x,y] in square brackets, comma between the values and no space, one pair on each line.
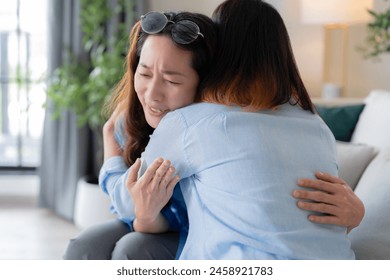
[84,84]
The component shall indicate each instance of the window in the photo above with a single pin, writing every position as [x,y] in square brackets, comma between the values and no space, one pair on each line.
[23,64]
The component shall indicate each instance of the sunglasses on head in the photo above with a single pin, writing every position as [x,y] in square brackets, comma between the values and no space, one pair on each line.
[183,32]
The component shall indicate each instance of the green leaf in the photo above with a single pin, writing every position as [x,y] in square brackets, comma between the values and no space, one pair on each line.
[378,35]
[83,84]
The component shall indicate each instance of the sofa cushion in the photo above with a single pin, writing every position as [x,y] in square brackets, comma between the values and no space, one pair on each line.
[353,160]
[371,239]
[373,126]
[341,119]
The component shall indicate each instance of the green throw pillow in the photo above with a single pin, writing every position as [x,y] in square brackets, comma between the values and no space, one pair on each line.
[341,119]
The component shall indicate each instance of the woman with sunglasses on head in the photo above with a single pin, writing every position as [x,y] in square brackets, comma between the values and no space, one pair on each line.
[240,152]
[175,53]
[158,243]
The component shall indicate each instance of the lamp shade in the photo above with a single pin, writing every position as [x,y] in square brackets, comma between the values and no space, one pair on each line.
[335,11]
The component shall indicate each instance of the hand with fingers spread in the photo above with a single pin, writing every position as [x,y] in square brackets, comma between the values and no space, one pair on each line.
[150,193]
[331,196]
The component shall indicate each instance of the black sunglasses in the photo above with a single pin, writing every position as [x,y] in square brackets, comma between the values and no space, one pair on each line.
[184,31]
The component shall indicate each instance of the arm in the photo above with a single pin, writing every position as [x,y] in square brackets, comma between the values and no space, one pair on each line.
[115,176]
[166,142]
[332,196]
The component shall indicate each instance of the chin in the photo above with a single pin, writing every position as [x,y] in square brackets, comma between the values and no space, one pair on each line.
[152,122]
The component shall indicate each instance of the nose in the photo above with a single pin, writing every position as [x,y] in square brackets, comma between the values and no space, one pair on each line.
[153,91]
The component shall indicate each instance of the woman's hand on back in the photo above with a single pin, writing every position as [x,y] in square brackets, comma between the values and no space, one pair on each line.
[331,196]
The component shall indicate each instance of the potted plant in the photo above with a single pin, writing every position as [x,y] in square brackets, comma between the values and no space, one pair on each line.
[83,84]
[378,35]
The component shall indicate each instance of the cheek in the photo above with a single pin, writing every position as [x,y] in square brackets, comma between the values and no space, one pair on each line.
[187,94]
[138,87]
[183,99]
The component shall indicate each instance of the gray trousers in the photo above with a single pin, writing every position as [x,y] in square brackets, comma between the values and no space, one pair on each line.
[113,240]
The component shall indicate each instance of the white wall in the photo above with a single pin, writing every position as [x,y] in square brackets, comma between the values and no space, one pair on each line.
[200,6]
[307,42]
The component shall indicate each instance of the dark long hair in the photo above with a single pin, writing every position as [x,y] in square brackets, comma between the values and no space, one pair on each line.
[135,125]
[254,63]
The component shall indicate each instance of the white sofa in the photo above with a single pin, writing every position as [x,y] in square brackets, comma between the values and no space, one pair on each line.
[364,163]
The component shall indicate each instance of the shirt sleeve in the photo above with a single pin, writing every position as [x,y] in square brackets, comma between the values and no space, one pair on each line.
[119,133]
[168,142]
[112,180]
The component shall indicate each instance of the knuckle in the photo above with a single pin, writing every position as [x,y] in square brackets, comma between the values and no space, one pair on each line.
[302,194]
[317,207]
[305,205]
[149,191]
[321,184]
[346,188]
[319,196]
[149,171]
[321,207]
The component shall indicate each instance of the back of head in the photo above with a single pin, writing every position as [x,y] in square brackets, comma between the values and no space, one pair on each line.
[254,63]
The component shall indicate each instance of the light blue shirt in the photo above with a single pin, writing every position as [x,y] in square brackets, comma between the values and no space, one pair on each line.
[238,172]
[112,180]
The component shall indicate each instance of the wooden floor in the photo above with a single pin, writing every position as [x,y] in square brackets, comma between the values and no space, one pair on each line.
[26,231]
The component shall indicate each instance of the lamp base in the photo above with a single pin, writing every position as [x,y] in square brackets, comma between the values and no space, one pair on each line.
[331,91]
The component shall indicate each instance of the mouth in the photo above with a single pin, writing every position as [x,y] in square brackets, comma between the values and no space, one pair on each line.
[157,112]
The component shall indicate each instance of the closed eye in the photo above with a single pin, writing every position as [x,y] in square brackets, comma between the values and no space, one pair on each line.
[144,75]
[173,82]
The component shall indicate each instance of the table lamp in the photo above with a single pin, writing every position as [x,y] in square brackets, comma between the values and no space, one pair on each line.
[336,16]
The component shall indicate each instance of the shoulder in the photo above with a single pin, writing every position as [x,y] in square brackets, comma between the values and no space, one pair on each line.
[193,114]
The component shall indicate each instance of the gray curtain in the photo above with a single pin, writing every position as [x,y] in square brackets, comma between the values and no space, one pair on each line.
[67,151]
[63,160]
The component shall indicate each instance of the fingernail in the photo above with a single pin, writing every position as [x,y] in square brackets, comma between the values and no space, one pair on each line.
[296,193]
[300,181]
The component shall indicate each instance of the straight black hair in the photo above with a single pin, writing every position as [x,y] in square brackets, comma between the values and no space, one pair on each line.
[254,63]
